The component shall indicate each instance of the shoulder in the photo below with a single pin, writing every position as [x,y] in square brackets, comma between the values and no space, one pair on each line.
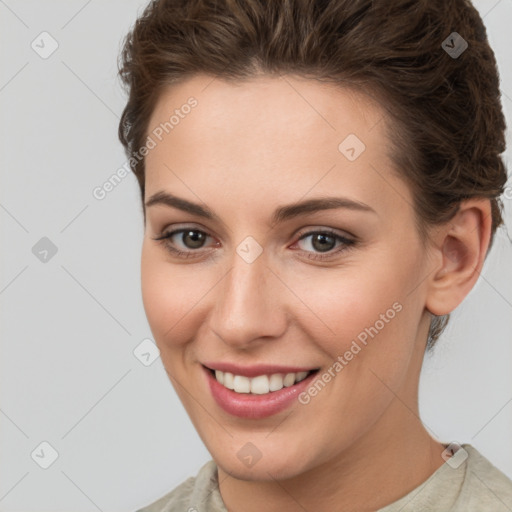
[485,487]
[200,492]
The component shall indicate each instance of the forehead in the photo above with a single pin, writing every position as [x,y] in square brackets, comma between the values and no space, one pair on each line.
[286,133]
[268,104]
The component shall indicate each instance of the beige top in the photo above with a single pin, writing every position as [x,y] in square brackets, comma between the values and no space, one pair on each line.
[462,484]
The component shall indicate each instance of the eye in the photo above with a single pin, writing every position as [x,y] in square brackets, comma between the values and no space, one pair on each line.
[324,244]
[184,242]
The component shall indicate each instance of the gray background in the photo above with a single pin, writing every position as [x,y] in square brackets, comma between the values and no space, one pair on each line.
[70,324]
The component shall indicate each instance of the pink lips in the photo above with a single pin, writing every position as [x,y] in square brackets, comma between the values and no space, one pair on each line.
[251,406]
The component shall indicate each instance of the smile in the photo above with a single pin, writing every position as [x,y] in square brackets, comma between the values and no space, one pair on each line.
[259,385]
[263,391]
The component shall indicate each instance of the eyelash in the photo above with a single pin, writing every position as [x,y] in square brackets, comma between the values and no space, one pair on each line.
[347,243]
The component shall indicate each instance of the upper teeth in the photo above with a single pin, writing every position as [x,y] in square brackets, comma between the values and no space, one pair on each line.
[259,385]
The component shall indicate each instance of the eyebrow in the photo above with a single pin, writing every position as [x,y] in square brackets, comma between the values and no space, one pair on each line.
[281,213]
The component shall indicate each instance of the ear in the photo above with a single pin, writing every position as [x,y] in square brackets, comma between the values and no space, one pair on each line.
[459,248]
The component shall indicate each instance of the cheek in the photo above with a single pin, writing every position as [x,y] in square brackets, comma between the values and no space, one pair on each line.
[366,311]
[174,297]
[165,297]
[346,304]
[372,322]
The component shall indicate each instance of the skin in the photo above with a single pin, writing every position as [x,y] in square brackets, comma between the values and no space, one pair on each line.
[244,150]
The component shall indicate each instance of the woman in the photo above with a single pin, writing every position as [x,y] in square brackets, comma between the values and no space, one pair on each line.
[320,185]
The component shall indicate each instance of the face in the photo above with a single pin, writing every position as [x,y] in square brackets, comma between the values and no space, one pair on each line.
[287,242]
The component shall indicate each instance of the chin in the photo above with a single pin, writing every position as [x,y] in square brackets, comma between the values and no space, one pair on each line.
[273,466]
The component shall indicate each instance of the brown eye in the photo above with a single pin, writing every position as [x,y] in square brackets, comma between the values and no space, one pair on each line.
[193,239]
[184,242]
[322,242]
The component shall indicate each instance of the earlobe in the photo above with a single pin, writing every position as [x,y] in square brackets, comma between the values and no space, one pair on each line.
[461,246]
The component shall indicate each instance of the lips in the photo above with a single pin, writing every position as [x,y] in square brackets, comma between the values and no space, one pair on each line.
[253,405]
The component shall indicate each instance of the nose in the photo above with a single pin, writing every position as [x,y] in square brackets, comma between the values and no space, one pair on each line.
[249,307]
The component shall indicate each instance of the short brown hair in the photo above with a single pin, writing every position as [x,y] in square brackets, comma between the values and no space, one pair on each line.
[448,129]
